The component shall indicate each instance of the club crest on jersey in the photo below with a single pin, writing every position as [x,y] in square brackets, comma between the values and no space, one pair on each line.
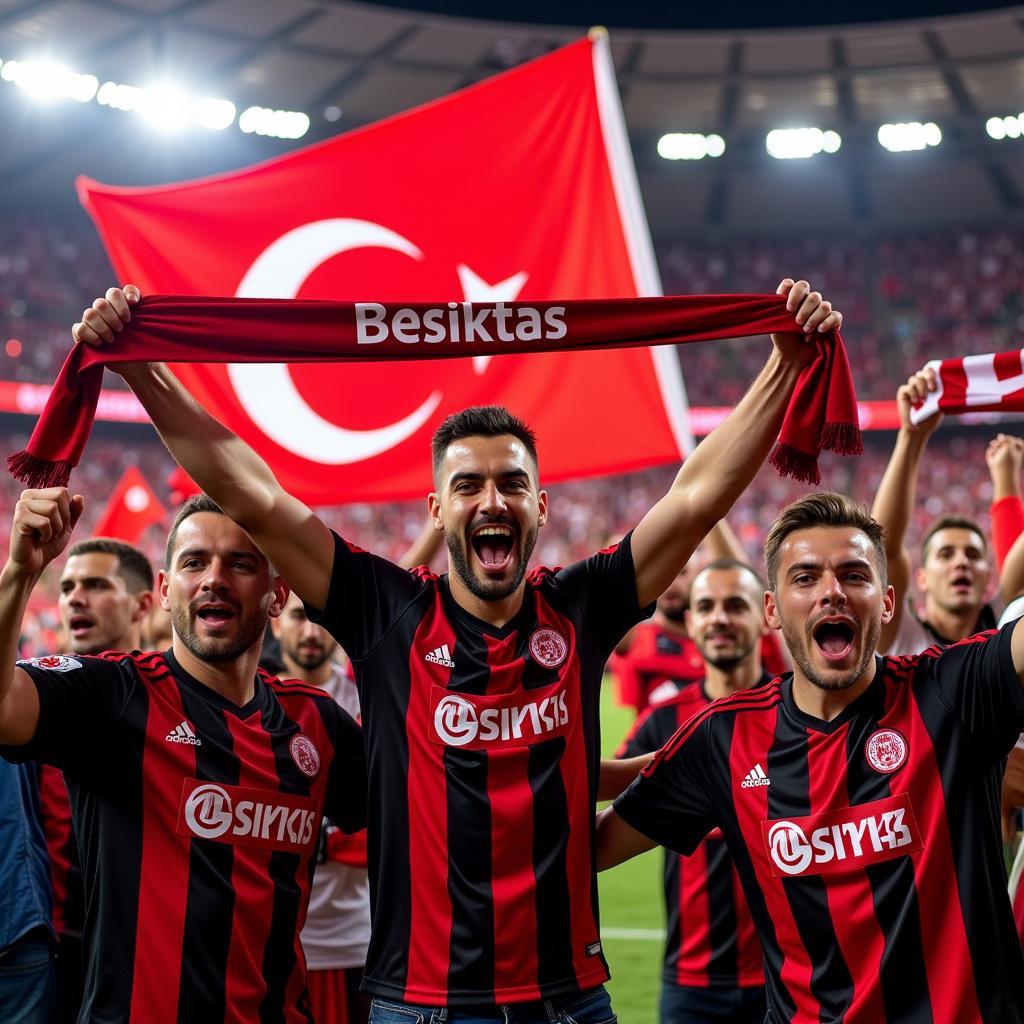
[886,750]
[548,647]
[511,719]
[847,839]
[305,755]
[53,663]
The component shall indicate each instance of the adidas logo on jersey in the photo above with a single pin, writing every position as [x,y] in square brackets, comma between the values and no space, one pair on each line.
[440,656]
[755,778]
[184,734]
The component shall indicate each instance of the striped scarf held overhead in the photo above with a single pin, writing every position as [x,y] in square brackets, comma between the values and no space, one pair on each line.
[993,382]
[822,413]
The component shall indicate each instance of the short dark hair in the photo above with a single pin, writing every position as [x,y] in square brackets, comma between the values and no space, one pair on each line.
[481,421]
[132,565]
[733,563]
[827,508]
[951,523]
[197,503]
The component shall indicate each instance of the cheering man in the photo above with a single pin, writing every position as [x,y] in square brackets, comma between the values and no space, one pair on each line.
[197,785]
[870,856]
[712,969]
[480,688]
[955,561]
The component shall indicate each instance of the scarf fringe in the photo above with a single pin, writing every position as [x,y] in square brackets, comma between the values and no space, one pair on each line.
[35,472]
[842,438]
[790,461]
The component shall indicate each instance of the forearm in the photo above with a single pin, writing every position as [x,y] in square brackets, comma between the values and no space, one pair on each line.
[223,465]
[615,776]
[423,548]
[1007,514]
[894,503]
[617,841]
[17,726]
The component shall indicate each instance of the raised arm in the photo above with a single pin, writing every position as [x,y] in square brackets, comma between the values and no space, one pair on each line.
[424,547]
[726,461]
[894,502]
[1004,457]
[43,522]
[295,540]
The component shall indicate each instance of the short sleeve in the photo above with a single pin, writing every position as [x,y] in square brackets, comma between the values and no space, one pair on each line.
[604,585]
[345,803]
[976,678]
[366,596]
[80,698]
[670,800]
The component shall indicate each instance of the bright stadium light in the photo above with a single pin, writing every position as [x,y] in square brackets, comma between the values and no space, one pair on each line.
[278,124]
[164,107]
[1009,127]
[215,114]
[801,143]
[909,136]
[46,80]
[690,146]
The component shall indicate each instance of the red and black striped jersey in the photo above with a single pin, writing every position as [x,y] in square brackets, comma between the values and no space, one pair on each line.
[65,872]
[655,656]
[711,942]
[869,846]
[197,823]
[483,747]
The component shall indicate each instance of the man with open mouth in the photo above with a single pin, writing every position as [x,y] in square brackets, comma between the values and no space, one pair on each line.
[956,566]
[197,783]
[480,688]
[870,852]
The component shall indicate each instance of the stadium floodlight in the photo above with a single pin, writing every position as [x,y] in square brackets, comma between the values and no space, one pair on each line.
[278,124]
[906,137]
[998,128]
[163,106]
[801,143]
[690,146]
[46,80]
[215,114]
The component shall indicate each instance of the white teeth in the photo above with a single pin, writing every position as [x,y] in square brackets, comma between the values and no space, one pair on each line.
[493,531]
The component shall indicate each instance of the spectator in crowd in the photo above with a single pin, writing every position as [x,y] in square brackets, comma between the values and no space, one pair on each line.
[955,560]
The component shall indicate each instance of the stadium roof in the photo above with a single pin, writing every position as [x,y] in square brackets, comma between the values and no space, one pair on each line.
[357,62]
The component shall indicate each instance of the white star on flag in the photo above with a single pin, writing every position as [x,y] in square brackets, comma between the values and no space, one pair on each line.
[476,289]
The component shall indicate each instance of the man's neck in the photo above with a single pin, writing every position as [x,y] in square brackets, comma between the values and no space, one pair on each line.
[131,641]
[828,704]
[234,680]
[721,683]
[494,613]
[319,676]
[951,625]
[676,626]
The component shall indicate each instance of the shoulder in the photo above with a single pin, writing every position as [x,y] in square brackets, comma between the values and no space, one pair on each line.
[295,689]
[758,700]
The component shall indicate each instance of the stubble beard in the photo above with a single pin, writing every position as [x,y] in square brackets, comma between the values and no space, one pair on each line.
[799,643]
[219,650]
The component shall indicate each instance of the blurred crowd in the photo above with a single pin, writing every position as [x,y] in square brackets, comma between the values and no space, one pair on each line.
[905,299]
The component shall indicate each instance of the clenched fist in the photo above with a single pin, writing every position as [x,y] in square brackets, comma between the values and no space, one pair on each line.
[43,522]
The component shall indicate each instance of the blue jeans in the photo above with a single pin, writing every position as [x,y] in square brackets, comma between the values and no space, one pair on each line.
[681,1004]
[26,979]
[592,1007]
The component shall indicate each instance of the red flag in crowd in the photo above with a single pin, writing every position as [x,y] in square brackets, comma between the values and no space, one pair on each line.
[133,507]
[519,188]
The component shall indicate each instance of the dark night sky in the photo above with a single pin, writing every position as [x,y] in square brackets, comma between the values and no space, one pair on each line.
[707,15]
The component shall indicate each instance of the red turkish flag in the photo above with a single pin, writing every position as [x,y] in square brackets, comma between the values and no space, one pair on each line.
[521,187]
[132,509]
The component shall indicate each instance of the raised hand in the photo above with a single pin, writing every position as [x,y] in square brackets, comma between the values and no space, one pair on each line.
[813,315]
[919,385]
[43,523]
[106,317]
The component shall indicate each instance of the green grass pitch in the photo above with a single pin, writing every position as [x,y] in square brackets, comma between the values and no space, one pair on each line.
[631,902]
